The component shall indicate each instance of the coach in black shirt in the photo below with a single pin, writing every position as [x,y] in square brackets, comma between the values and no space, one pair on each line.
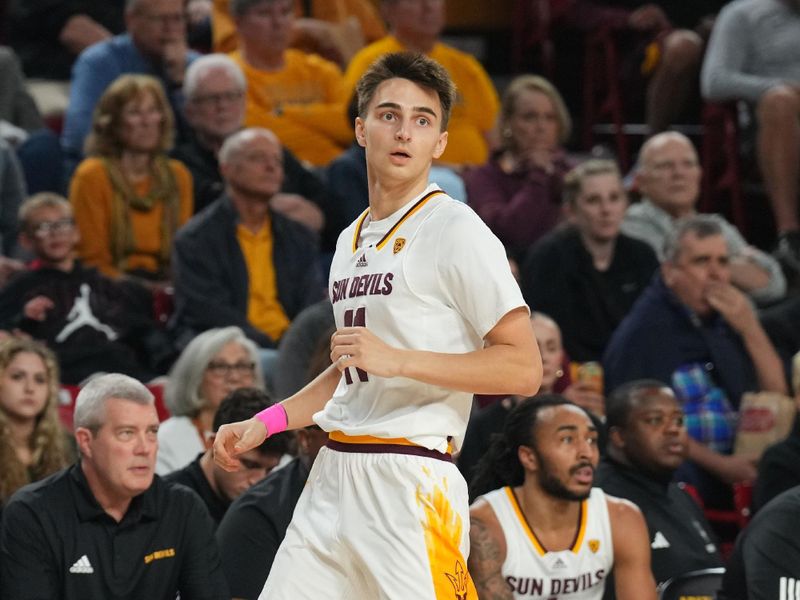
[107,528]
[255,524]
[647,442]
[218,487]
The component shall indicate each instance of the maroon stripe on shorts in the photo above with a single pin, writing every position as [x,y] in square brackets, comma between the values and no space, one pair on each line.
[388,449]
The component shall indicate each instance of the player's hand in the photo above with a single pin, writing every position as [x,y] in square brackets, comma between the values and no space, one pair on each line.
[733,305]
[648,18]
[359,347]
[587,397]
[234,438]
[36,308]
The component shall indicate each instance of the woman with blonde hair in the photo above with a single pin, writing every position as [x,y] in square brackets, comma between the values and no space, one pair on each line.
[129,197]
[33,443]
[518,191]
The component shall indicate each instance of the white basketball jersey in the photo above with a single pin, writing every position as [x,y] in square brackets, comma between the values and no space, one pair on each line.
[430,277]
[576,574]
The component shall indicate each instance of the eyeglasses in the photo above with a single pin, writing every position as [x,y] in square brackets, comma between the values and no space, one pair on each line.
[43,229]
[219,98]
[223,369]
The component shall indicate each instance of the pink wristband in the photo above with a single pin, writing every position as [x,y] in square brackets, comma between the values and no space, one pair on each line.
[275,419]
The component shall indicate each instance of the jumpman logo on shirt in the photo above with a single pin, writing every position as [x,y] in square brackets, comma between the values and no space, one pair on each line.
[81,315]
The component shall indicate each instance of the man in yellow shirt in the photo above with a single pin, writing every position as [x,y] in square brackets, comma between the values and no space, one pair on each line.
[416,25]
[240,263]
[299,96]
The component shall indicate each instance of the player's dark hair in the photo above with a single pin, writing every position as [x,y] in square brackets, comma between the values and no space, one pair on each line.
[242,404]
[620,402]
[413,66]
[500,465]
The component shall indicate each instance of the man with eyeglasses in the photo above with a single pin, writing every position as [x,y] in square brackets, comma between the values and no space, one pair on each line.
[154,44]
[92,322]
[214,91]
[668,178]
[217,487]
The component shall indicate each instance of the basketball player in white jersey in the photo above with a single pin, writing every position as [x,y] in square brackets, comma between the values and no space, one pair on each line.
[547,533]
[427,314]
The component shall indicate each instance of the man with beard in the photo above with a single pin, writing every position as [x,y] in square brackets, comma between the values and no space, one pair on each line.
[647,443]
[546,532]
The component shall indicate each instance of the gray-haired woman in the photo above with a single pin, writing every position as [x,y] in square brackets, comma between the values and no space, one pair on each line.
[215,363]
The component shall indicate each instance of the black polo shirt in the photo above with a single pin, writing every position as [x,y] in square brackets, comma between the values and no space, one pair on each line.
[57,542]
[192,476]
[765,564]
[254,527]
[680,537]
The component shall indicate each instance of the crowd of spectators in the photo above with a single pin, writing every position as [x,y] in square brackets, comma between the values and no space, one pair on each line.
[163,267]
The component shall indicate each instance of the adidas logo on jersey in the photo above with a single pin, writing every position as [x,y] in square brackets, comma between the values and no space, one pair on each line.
[659,541]
[362,261]
[559,564]
[82,566]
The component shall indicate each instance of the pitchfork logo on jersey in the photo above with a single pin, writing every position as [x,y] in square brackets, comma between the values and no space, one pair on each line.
[594,546]
[399,243]
[460,579]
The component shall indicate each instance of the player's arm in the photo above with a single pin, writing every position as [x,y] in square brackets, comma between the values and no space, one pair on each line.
[632,574]
[234,438]
[487,553]
[509,362]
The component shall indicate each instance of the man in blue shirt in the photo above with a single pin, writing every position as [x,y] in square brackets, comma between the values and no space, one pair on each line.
[694,331]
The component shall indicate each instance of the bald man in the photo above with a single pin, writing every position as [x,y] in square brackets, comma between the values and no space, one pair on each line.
[221,275]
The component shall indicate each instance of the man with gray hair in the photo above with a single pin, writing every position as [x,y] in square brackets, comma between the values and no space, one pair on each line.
[239,262]
[106,527]
[214,92]
[694,331]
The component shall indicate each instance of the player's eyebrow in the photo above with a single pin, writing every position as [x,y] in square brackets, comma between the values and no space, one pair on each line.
[395,106]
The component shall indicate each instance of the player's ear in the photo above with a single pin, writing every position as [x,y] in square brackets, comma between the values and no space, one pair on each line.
[441,144]
[360,135]
[527,458]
